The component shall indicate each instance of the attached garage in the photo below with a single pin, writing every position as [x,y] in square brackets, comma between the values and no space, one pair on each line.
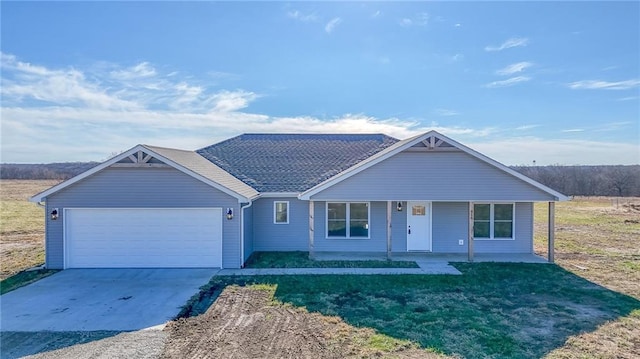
[148,207]
[142,237]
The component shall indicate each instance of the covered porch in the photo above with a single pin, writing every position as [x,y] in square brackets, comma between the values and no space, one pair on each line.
[466,237]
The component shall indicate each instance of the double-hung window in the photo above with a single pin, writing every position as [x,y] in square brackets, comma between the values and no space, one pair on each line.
[493,220]
[281,212]
[347,220]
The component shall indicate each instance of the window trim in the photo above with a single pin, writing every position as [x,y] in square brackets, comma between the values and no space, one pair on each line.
[492,222]
[275,212]
[347,220]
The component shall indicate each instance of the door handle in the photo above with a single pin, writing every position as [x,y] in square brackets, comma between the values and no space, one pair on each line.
[409,230]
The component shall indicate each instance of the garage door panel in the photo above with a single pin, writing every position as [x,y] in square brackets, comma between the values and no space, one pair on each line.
[107,249]
[159,261]
[110,238]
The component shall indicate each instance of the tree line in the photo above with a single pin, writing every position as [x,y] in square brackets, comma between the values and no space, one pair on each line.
[48,171]
[618,181]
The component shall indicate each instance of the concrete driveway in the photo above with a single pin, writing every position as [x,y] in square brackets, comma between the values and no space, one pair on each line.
[100,299]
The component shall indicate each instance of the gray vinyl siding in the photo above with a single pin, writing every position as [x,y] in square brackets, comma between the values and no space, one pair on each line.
[398,228]
[377,241]
[450,222]
[141,188]
[269,236]
[433,176]
[248,231]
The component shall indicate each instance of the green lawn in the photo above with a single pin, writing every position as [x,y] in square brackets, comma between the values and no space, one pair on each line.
[301,260]
[492,310]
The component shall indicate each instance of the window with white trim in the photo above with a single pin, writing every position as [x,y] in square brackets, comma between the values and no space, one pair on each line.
[347,220]
[493,220]
[281,212]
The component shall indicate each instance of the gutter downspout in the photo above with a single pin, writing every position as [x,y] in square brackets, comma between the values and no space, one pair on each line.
[242,208]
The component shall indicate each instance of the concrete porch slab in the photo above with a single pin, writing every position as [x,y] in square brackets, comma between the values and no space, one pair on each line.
[427,257]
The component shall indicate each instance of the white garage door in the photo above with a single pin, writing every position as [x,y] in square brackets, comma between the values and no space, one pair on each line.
[143,237]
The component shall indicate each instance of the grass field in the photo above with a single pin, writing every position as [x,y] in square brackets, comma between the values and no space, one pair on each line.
[597,238]
[585,307]
[21,226]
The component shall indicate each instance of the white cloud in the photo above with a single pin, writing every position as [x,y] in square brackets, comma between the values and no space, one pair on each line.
[64,86]
[604,85]
[512,42]
[508,82]
[229,101]
[297,15]
[183,113]
[71,133]
[573,130]
[514,68]
[137,87]
[141,70]
[406,22]
[420,19]
[457,57]
[331,25]
[376,14]
[526,127]
[186,95]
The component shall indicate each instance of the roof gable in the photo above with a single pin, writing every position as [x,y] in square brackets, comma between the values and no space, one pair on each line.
[429,141]
[292,162]
[187,162]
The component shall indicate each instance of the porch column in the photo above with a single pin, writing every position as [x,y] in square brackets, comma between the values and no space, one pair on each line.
[389,209]
[552,224]
[311,234]
[470,237]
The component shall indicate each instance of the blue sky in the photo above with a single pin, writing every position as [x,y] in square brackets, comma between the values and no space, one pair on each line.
[554,82]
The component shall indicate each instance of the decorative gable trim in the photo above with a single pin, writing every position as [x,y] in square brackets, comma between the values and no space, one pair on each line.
[431,141]
[140,159]
[137,157]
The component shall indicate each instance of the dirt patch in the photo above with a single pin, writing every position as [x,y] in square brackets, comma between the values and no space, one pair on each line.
[245,322]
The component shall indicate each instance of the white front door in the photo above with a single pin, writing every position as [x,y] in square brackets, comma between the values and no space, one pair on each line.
[418,226]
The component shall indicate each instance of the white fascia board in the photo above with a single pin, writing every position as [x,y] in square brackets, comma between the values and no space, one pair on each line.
[42,195]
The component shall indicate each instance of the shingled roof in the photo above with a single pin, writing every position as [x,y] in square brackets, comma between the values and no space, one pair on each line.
[292,162]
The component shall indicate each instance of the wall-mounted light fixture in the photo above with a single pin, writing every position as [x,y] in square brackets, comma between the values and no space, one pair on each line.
[54,214]
[229,213]
[399,207]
